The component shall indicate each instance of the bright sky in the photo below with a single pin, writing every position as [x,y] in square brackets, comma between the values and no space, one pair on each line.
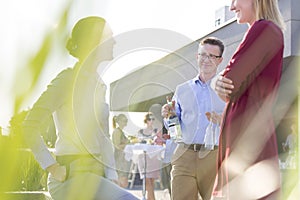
[24,24]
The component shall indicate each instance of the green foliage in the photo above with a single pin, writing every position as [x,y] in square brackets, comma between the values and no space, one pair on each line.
[29,74]
[32,177]
[18,170]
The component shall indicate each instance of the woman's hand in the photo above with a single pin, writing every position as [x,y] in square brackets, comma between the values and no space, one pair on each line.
[223,87]
[58,172]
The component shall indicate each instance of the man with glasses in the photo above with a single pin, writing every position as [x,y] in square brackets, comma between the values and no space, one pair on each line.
[194,168]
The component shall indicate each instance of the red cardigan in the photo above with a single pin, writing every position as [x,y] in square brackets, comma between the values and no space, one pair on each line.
[247,129]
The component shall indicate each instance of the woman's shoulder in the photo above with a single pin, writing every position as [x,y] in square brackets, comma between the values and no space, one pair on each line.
[117,131]
[265,25]
[265,29]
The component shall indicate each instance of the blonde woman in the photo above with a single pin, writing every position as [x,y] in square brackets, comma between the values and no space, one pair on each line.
[249,84]
[83,166]
[120,141]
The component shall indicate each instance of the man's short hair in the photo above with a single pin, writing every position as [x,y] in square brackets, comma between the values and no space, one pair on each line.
[213,41]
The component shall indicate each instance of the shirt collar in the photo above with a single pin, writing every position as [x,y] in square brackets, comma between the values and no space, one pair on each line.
[197,80]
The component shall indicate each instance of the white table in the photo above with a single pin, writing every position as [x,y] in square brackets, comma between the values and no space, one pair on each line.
[138,153]
[134,151]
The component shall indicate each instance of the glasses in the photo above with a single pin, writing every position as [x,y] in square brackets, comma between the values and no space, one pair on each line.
[150,119]
[203,56]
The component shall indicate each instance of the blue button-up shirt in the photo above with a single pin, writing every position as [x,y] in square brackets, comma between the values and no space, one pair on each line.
[193,99]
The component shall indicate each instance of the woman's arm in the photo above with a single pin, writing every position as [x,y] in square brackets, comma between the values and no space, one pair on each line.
[47,103]
[263,41]
[222,86]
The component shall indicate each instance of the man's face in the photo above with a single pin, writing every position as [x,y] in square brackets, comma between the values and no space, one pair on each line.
[209,58]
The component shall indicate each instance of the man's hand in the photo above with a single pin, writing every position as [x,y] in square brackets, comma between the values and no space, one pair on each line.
[215,117]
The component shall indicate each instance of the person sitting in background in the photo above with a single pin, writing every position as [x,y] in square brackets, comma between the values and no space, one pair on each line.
[120,141]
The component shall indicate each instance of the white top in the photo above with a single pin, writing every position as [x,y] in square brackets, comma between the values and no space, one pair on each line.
[76,101]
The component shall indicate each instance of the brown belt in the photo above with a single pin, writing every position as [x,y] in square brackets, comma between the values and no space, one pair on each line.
[197,147]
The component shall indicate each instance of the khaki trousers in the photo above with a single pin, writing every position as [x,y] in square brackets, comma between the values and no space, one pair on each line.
[191,175]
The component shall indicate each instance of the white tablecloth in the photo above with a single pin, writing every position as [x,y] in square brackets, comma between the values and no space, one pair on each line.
[154,153]
[133,151]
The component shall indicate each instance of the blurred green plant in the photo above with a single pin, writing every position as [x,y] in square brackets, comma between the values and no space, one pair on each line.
[32,176]
[19,170]
[28,75]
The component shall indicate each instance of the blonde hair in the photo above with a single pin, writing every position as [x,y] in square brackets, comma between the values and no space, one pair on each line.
[269,10]
[117,118]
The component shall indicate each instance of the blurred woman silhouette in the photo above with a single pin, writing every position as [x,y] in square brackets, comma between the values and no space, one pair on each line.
[83,166]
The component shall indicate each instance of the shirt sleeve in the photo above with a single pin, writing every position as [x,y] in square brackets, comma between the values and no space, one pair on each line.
[261,43]
[47,103]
